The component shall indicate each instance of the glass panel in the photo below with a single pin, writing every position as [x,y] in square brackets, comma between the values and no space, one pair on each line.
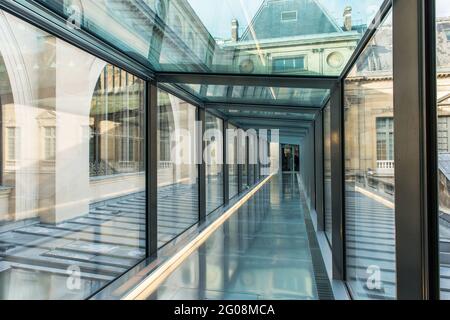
[214,162]
[327,170]
[72,204]
[443,135]
[232,160]
[251,158]
[178,207]
[228,36]
[369,171]
[261,95]
[244,162]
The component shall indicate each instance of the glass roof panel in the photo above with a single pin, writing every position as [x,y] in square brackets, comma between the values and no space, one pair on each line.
[239,112]
[293,37]
[305,97]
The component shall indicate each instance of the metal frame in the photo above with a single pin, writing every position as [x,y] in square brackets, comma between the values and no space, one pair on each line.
[415,179]
[337,183]
[48,21]
[310,82]
[226,168]
[416,198]
[151,169]
[261,107]
[319,172]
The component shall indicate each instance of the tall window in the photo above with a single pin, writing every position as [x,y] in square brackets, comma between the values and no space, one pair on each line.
[232,160]
[76,123]
[13,135]
[369,193]
[327,170]
[385,138]
[49,143]
[177,167]
[117,120]
[214,162]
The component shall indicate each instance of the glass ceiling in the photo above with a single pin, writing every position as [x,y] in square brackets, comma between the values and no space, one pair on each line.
[265,37]
[301,97]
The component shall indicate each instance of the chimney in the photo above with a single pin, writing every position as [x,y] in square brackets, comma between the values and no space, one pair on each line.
[234,30]
[348,18]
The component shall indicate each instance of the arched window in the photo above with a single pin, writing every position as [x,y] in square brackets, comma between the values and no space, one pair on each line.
[116,142]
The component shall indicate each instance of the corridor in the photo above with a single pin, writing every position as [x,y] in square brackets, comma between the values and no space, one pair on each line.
[261,252]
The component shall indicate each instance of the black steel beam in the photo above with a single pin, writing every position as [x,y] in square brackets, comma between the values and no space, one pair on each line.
[417,267]
[261,107]
[322,82]
[151,172]
[337,183]
[318,145]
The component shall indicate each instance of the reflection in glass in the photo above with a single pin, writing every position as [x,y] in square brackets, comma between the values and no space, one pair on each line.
[177,167]
[294,37]
[443,135]
[244,161]
[72,178]
[369,171]
[214,162]
[327,170]
[232,160]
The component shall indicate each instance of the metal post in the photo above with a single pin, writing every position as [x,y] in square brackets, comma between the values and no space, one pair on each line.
[151,166]
[319,172]
[202,167]
[226,167]
[417,267]
[337,184]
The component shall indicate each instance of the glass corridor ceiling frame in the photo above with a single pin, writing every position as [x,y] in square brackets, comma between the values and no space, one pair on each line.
[180,36]
[40,13]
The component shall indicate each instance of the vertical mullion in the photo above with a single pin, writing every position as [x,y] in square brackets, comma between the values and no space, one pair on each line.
[202,166]
[151,168]
[431,118]
[226,168]
[337,183]
[415,192]
[319,172]
[239,158]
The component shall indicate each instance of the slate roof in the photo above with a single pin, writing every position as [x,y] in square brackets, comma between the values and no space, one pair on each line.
[312,18]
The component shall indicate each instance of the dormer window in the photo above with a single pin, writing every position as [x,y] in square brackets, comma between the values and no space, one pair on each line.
[289,16]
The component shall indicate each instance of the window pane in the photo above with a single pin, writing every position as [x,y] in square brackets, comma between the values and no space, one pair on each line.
[232,160]
[244,161]
[226,36]
[177,167]
[72,205]
[443,135]
[214,162]
[327,170]
[369,171]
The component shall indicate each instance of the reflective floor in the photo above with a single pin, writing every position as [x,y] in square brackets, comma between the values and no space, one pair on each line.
[261,252]
[37,260]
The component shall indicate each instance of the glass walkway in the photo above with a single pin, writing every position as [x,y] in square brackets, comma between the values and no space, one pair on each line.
[261,252]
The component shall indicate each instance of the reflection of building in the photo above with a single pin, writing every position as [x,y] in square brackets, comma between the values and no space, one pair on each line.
[294,37]
[369,111]
[103,115]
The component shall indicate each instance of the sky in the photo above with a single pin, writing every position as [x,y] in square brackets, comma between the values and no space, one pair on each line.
[443,8]
[217,14]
